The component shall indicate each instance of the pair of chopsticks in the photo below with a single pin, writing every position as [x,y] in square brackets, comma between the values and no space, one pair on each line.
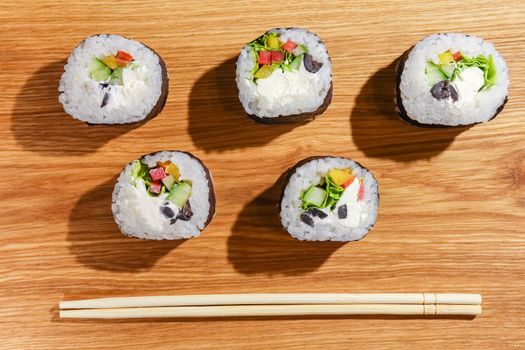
[281,304]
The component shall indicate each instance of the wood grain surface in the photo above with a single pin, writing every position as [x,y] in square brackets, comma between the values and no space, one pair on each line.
[451,216]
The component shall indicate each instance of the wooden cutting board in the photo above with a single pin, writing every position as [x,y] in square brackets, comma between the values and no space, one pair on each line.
[451,216]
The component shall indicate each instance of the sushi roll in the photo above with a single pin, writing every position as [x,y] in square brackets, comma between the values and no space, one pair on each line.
[109,79]
[329,199]
[451,80]
[164,195]
[284,76]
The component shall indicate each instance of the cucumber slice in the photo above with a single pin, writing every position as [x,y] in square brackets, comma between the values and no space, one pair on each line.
[168,181]
[179,194]
[296,63]
[299,50]
[95,65]
[101,74]
[433,73]
[448,69]
[314,196]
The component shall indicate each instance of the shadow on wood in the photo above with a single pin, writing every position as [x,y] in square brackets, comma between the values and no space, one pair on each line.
[97,242]
[217,120]
[39,123]
[259,244]
[378,131]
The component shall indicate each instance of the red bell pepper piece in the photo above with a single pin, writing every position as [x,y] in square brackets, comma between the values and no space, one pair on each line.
[121,63]
[155,187]
[456,56]
[361,193]
[124,55]
[157,173]
[277,56]
[123,58]
[289,46]
[265,57]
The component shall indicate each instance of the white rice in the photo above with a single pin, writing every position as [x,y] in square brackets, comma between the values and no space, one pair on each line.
[310,174]
[422,107]
[131,102]
[285,93]
[138,214]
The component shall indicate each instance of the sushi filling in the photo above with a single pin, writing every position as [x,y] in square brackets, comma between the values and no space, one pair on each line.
[109,79]
[282,69]
[338,197]
[284,73]
[271,54]
[459,77]
[161,189]
[108,71]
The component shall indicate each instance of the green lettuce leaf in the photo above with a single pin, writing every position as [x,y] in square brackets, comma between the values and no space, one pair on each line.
[490,78]
[486,64]
[140,170]
[333,192]
[481,62]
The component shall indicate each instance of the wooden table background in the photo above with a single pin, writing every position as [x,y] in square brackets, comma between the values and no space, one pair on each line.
[451,216]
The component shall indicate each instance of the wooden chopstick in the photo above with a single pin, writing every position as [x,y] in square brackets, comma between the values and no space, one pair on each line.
[278,304]
[276,298]
[275,310]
